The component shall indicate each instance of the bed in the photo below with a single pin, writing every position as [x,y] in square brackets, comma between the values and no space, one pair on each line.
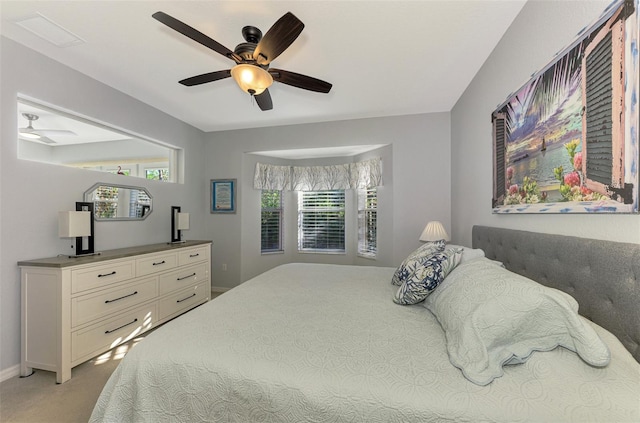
[326,343]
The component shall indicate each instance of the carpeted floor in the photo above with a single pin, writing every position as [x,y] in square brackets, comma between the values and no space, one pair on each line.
[38,398]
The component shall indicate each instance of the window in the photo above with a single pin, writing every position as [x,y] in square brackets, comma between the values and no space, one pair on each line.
[367,222]
[157,174]
[321,221]
[271,221]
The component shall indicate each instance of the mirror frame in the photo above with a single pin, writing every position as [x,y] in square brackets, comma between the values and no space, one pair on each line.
[88,198]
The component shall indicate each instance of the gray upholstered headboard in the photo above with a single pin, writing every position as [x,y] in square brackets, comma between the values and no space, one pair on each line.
[603,276]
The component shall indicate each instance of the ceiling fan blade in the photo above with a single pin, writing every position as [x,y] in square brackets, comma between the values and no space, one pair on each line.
[206,77]
[55,132]
[264,100]
[278,38]
[300,81]
[45,132]
[195,35]
[47,140]
[40,138]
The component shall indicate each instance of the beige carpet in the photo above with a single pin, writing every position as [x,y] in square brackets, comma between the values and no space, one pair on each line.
[38,398]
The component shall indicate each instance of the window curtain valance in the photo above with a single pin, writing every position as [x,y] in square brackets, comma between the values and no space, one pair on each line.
[272,177]
[360,175]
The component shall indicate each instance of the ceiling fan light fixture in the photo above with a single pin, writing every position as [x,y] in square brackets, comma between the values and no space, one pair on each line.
[251,79]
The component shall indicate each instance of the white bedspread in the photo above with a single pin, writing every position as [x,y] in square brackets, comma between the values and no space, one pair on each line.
[326,343]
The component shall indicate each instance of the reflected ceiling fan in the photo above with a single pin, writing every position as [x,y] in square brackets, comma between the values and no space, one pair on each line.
[40,134]
[252,58]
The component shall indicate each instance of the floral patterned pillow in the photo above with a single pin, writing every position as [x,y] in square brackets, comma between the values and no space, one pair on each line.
[425,275]
[422,252]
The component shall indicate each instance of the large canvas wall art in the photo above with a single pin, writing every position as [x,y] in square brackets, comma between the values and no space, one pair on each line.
[567,141]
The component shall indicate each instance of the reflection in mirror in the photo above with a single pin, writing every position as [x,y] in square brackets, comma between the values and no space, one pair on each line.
[56,137]
[119,202]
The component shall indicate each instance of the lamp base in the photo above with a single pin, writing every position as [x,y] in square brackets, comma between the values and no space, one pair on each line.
[85,255]
[176,242]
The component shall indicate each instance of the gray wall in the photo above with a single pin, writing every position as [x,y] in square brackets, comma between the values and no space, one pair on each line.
[541,29]
[32,193]
[416,187]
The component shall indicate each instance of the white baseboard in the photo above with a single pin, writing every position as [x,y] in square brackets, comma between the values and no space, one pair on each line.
[9,373]
[219,289]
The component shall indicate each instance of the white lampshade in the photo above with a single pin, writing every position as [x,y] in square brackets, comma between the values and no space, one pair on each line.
[183,221]
[251,79]
[434,231]
[73,224]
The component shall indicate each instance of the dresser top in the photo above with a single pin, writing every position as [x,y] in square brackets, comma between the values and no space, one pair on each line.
[65,260]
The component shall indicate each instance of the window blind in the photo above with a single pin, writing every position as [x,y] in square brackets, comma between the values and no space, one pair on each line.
[271,221]
[368,222]
[321,221]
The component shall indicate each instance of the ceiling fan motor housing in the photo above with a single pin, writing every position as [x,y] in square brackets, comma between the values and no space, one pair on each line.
[245,50]
[251,34]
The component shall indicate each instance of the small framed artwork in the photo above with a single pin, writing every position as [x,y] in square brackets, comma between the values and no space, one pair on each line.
[223,196]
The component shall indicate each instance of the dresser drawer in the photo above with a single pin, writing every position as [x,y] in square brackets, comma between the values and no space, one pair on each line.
[156,263]
[93,306]
[183,300]
[102,336]
[183,277]
[193,255]
[102,275]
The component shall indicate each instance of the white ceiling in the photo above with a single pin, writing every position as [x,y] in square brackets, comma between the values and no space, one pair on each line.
[383,58]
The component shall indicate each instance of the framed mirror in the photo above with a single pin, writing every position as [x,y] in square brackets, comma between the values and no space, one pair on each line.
[119,202]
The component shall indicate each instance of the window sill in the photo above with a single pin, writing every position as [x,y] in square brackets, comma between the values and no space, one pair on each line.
[367,256]
[322,252]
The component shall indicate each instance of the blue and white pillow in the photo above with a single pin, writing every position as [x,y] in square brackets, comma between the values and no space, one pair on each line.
[421,253]
[424,275]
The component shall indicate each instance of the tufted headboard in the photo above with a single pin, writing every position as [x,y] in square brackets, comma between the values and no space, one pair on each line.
[603,276]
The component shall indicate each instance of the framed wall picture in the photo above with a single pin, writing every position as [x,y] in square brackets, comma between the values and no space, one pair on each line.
[566,142]
[223,195]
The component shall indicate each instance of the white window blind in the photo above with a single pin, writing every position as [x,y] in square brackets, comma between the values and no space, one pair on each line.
[368,222]
[271,221]
[321,221]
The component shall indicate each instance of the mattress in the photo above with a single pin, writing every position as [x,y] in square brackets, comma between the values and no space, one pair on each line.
[326,343]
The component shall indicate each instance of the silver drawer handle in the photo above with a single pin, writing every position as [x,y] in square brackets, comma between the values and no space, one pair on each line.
[107,274]
[194,255]
[186,277]
[184,299]
[118,328]
[159,263]
[120,298]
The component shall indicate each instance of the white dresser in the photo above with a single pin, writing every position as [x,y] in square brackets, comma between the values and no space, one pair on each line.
[74,309]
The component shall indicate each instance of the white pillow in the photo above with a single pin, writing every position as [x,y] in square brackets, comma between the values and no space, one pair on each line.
[468,254]
[492,317]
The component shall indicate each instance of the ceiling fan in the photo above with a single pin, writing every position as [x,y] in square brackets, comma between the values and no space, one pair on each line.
[40,134]
[252,58]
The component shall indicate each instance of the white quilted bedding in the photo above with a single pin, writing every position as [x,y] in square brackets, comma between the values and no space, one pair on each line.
[326,343]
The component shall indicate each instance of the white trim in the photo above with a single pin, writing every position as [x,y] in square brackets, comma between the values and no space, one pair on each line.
[219,289]
[9,373]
